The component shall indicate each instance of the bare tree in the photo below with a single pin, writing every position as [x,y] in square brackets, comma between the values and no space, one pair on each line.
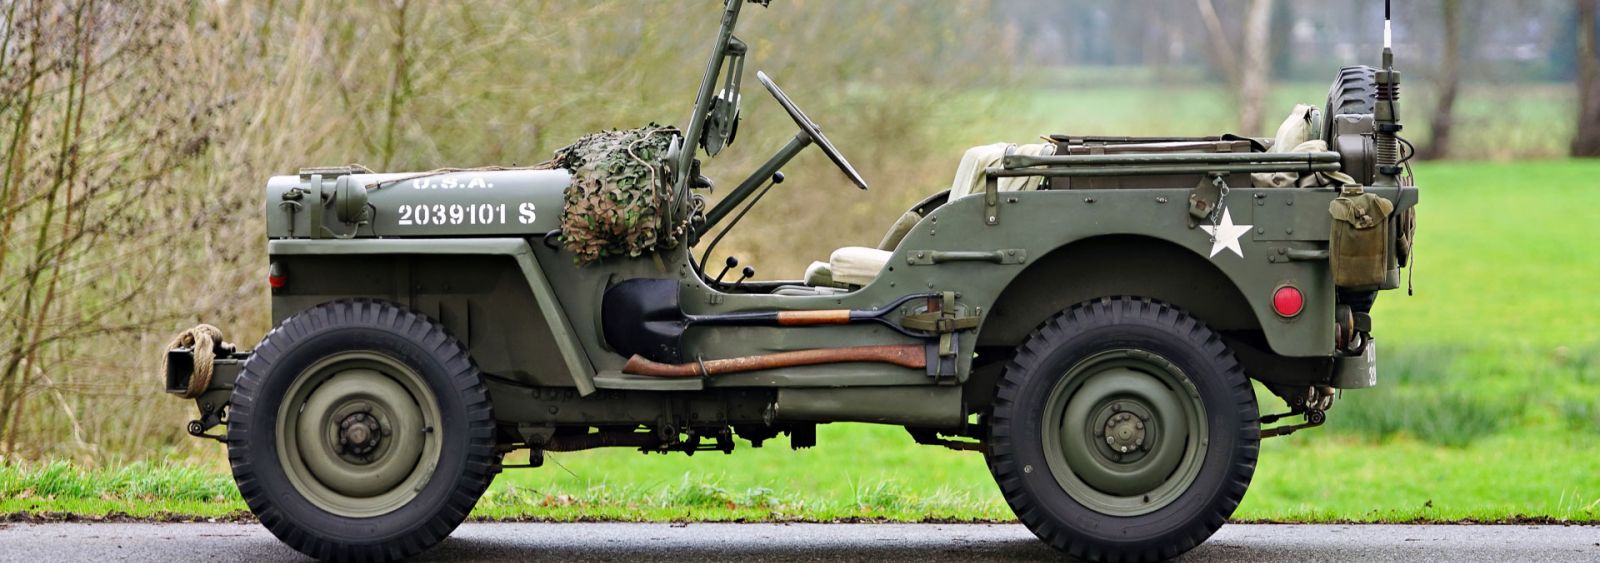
[1246,65]
[1448,82]
[1587,140]
[134,137]
[102,122]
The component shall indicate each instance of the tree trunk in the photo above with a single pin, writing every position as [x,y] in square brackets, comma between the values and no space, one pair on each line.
[1587,140]
[1247,66]
[1449,82]
[1256,68]
[1281,50]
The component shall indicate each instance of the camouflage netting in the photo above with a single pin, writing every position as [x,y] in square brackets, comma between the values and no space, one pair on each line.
[617,203]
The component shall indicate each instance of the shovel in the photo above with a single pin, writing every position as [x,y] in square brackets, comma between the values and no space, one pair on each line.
[643,316]
[906,356]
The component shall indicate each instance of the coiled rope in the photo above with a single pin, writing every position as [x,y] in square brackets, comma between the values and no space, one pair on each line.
[203,341]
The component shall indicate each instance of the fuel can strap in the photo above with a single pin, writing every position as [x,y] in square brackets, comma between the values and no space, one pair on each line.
[941,320]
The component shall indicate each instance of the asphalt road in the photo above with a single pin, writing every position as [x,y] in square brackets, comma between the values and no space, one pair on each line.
[38,543]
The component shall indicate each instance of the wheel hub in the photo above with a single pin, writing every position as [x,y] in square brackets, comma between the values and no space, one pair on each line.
[359,434]
[1124,431]
[354,436]
[1128,429]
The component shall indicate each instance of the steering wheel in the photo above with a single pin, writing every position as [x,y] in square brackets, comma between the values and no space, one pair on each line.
[812,130]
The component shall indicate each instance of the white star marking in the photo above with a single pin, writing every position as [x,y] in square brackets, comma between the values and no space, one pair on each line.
[1226,235]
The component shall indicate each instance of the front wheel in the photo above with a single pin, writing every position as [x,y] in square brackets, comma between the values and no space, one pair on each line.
[360,430]
[1123,430]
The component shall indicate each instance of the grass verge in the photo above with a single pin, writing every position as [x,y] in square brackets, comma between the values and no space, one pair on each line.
[856,474]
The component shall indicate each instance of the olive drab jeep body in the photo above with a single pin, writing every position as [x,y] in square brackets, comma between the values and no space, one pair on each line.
[1087,313]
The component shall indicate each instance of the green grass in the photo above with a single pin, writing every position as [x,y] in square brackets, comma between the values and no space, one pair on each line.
[1488,408]
[857,473]
[1506,259]
[1525,474]
[139,489]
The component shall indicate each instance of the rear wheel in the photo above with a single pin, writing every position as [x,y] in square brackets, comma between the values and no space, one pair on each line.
[1123,430]
[360,430]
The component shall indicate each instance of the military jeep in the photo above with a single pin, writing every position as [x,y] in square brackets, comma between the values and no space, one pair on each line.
[1087,313]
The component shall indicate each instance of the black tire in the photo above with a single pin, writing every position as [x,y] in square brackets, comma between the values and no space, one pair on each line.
[464,431]
[1016,443]
[1354,91]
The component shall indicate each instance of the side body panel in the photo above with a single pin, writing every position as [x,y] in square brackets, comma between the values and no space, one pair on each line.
[551,335]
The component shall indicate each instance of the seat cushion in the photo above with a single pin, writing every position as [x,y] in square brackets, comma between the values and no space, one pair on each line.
[819,274]
[857,265]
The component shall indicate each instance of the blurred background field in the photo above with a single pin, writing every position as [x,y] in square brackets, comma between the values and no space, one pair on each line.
[138,137]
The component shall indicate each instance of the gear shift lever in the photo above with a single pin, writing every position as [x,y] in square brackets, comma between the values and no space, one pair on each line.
[745,274]
[729,265]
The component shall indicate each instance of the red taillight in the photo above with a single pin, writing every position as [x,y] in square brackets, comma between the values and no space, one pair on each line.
[1287,301]
[276,276]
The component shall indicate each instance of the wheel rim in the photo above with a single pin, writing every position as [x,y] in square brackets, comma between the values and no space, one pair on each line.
[355,434]
[1124,432]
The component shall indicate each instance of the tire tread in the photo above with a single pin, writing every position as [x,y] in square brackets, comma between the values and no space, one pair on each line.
[463,377]
[1025,364]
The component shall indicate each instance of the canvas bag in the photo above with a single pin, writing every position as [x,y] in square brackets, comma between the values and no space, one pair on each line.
[1358,247]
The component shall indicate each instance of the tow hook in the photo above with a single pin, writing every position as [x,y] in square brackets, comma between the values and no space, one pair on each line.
[210,417]
[200,365]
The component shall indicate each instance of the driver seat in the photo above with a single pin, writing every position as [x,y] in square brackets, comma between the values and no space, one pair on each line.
[859,265]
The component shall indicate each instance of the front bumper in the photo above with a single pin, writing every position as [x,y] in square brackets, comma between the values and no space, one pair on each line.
[212,403]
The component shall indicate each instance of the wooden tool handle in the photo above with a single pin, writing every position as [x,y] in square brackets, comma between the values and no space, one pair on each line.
[825,317]
[906,356]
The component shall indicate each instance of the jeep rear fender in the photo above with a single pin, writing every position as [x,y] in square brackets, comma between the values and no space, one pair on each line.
[1076,245]
[1116,265]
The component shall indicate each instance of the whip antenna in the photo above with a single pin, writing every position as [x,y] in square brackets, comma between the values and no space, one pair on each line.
[1387,112]
[1388,30]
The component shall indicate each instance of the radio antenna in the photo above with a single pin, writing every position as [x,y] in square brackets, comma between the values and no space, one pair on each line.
[1387,110]
[1388,29]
